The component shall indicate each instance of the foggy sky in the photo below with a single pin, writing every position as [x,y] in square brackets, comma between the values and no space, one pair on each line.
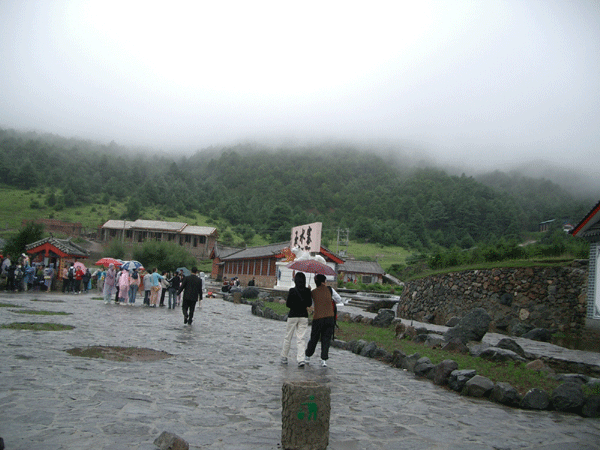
[485,83]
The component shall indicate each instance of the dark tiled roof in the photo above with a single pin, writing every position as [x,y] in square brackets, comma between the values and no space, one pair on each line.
[258,252]
[222,251]
[361,267]
[64,245]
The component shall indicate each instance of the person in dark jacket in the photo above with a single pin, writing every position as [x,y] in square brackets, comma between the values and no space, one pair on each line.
[298,301]
[191,286]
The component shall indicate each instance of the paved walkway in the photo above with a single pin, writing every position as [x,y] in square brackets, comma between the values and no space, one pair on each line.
[222,388]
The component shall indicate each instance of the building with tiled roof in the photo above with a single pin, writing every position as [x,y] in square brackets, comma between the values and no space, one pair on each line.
[217,254]
[368,272]
[56,252]
[196,239]
[589,229]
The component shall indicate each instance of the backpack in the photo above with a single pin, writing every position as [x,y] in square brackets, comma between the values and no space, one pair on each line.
[71,272]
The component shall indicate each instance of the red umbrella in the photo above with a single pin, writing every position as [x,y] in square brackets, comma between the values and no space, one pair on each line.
[107,261]
[311,266]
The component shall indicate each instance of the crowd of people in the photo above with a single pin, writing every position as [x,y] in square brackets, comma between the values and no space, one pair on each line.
[20,275]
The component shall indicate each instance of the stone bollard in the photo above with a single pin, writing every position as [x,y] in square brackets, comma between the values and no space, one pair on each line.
[237,298]
[306,407]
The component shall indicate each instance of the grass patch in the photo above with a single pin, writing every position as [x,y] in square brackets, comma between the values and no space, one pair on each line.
[47,300]
[8,305]
[279,308]
[514,373]
[123,354]
[97,298]
[43,313]
[35,326]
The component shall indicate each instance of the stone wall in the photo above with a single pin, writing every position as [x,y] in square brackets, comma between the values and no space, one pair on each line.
[517,299]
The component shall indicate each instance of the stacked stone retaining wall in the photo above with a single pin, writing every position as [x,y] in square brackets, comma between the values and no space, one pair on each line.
[517,299]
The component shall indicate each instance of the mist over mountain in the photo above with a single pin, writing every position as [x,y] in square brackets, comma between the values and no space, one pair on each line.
[389,195]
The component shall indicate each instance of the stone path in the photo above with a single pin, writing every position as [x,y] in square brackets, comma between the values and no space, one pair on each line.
[222,388]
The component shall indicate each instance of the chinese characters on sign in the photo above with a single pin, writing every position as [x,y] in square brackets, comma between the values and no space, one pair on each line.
[307,237]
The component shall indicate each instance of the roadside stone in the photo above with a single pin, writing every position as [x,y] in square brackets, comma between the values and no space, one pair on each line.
[505,394]
[591,407]
[423,366]
[455,346]
[572,378]
[478,386]
[434,341]
[458,378]
[500,355]
[409,362]
[539,366]
[398,358]
[568,397]
[472,327]
[250,292]
[476,349]
[170,441]
[538,334]
[511,344]
[400,329]
[368,350]
[518,328]
[453,321]
[536,399]
[384,318]
[442,371]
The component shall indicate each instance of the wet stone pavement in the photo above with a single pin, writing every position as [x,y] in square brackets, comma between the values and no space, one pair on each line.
[222,388]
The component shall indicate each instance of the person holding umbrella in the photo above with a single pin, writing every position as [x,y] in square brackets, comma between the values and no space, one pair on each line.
[298,300]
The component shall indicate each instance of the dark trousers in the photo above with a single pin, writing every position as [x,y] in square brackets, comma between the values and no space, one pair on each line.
[321,329]
[188,308]
[162,297]
[147,298]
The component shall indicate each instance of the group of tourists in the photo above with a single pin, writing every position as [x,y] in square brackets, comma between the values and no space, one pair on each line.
[20,275]
[125,285]
[322,302]
[75,279]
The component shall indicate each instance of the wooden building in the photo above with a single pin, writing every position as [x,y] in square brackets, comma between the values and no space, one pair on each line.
[198,240]
[367,272]
[218,253]
[56,252]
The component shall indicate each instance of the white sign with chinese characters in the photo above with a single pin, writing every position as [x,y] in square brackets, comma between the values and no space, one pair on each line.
[307,237]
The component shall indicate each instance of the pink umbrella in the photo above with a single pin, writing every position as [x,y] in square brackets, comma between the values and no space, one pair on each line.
[311,266]
[106,261]
[79,265]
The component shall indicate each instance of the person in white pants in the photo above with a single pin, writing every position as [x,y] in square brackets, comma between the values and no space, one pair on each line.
[298,300]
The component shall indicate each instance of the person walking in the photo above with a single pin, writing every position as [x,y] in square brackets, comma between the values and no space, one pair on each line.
[164,285]
[298,300]
[191,286]
[323,323]
[109,283]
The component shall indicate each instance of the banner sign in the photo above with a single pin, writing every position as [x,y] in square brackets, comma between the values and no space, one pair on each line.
[307,237]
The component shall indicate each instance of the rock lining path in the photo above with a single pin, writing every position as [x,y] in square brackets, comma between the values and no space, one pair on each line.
[222,388]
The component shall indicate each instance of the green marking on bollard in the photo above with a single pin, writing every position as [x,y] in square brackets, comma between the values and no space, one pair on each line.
[312,410]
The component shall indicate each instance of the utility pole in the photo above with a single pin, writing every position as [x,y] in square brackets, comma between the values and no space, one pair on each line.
[343,238]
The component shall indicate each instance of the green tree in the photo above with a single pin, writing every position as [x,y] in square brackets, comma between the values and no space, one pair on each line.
[30,233]
[166,256]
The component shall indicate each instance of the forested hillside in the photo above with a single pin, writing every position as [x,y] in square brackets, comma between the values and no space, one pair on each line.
[268,191]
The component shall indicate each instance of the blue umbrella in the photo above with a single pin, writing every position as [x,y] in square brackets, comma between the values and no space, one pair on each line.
[130,265]
[186,271]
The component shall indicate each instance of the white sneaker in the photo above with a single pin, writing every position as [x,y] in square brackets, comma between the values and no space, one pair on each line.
[300,363]
[323,363]
[307,360]
[283,360]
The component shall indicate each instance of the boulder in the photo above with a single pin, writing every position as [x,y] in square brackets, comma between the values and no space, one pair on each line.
[250,292]
[400,329]
[382,355]
[420,338]
[434,341]
[472,327]
[500,355]
[572,378]
[442,371]
[511,344]
[423,366]
[506,299]
[455,346]
[539,334]
[476,349]
[384,318]
[381,304]
[535,399]
[170,441]
[258,308]
[505,394]
[458,378]
[568,397]
[409,362]
[591,407]
[539,366]
[368,350]
[478,386]
[358,346]
[453,321]
[397,358]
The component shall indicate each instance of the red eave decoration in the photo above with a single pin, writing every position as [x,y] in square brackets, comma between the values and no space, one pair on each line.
[48,248]
[586,220]
[331,256]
